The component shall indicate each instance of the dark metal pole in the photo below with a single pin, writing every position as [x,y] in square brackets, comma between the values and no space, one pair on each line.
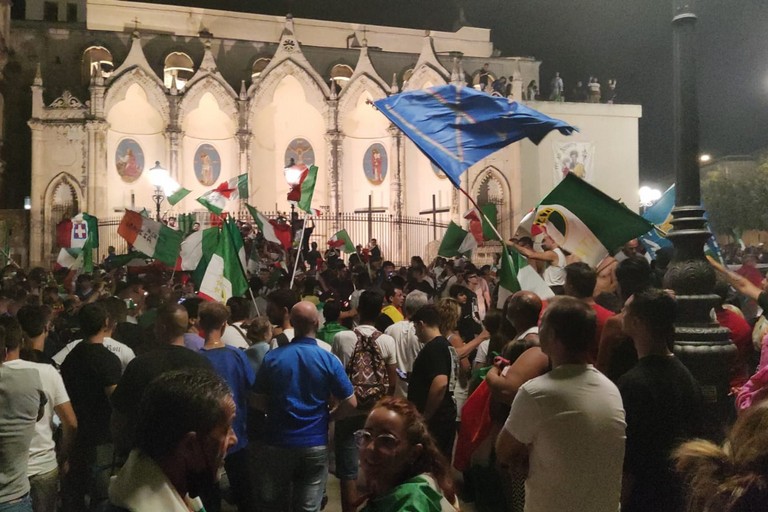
[370,217]
[700,343]
[434,217]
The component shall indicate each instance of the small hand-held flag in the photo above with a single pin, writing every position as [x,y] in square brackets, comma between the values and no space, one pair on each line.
[218,199]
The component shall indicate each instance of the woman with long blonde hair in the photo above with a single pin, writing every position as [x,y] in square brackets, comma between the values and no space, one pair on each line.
[732,477]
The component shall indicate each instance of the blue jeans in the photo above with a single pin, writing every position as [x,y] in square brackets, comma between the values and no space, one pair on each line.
[23,504]
[291,478]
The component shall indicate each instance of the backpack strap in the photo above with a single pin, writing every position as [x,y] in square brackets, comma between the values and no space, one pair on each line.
[239,330]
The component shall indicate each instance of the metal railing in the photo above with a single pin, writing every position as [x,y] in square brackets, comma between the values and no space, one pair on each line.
[398,237]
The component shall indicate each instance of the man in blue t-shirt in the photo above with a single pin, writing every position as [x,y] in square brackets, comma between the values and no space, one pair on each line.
[293,386]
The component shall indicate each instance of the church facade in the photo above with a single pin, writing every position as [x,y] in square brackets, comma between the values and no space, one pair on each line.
[210,95]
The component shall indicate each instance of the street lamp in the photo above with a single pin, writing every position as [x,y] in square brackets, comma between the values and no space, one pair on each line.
[158,177]
[648,195]
[702,345]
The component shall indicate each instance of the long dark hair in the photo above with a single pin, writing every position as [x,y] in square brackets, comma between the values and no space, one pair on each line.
[431,460]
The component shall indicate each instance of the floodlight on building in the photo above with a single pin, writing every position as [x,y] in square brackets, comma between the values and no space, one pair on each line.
[705,158]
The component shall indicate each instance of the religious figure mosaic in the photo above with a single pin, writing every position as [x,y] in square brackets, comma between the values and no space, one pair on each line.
[375,163]
[299,151]
[129,160]
[207,164]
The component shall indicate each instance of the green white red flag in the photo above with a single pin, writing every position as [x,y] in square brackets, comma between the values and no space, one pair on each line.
[515,274]
[175,192]
[272,231]
[224,276]
[585,221]
[218,199]
[341,240]
[301,193]
[153,238]
[456,242]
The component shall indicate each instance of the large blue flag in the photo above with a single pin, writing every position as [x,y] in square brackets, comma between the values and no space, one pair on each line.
[459,126]
[660,214]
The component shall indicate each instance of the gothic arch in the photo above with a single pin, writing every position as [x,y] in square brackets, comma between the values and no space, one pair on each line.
[262,91]
[223,92]
[353,90]
[68,184]
[152,86]
[494,183]
[421,76]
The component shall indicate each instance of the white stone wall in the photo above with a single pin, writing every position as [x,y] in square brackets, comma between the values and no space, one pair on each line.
[612,129]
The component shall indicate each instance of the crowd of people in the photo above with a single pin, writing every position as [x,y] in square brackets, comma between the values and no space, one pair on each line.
[129,392]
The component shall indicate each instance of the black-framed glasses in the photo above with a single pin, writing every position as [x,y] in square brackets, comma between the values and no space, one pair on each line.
[383,442]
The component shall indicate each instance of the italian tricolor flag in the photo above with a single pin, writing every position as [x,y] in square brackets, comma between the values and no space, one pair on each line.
[175,192]
[301,194]
[217,199]
[342,241]
[456,242]
[272,231]
[585,221]
[153,238]
[515,274]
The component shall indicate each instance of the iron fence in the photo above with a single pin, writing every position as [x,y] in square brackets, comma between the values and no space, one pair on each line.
[398,237]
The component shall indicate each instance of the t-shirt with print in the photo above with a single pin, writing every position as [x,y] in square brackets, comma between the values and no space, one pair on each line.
[42,450]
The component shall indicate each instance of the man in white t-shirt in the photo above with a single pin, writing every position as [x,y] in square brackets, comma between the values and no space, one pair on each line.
[407,344]
[43,466]
[344,344]
[121,350]
[566,430]
[553,255]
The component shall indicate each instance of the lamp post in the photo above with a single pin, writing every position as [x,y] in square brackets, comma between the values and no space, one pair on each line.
[158,177]
[700,343]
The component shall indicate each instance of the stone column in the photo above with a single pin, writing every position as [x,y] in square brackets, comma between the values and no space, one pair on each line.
[37,214]
[244,138]
[333,140]
[173,136]
[397,197]
[96,168]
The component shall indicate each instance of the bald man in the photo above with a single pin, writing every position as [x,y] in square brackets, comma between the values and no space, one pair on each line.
[295,447]
[168,354]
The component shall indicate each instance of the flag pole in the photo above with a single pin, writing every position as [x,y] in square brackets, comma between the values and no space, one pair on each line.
[253,299]
[298,250]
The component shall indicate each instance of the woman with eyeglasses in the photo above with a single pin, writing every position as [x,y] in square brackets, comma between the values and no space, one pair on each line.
[402,466]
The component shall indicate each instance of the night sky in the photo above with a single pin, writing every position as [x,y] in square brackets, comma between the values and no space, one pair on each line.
[629,40]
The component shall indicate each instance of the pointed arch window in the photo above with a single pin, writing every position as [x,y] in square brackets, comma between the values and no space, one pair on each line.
[97,60]
[258,67]
[340,75]
[178,70]
[407,75]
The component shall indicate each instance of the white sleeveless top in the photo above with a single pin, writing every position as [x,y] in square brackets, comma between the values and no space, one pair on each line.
[554,274]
